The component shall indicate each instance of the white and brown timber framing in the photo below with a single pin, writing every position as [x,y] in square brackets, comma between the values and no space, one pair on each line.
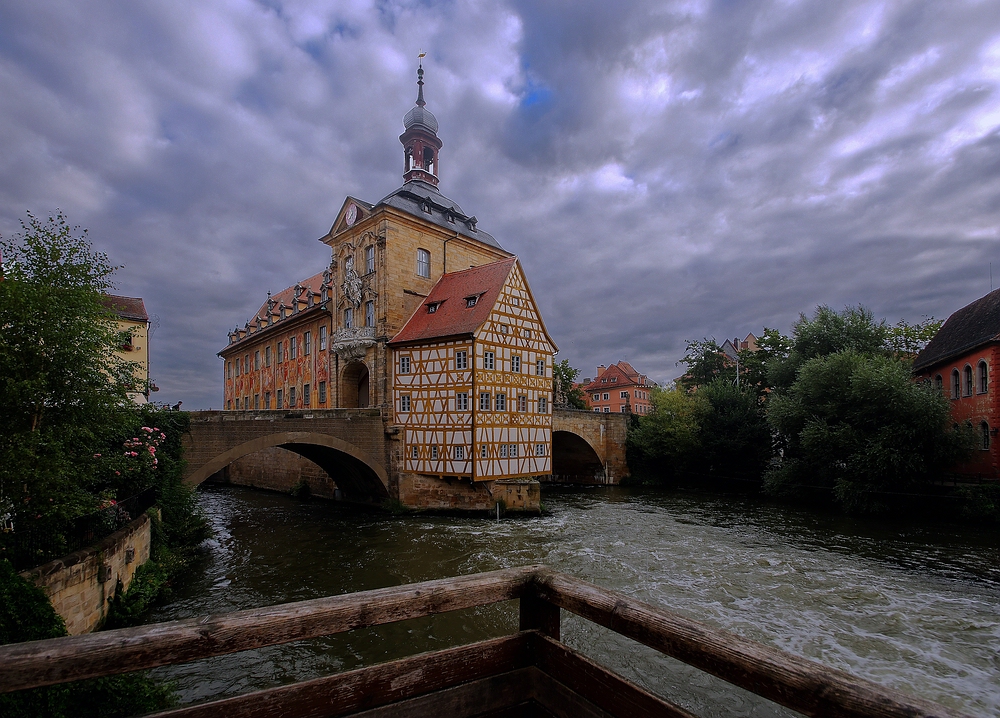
[453,423]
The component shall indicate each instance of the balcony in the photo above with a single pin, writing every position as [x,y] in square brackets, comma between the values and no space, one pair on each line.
[351,344]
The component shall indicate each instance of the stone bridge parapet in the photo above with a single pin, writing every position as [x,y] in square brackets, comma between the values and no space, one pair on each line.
[576,430]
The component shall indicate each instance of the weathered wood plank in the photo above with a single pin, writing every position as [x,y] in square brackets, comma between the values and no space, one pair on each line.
[486,696]
[798,683]
[377,686]
[596,684]
[561,702]
[41,663]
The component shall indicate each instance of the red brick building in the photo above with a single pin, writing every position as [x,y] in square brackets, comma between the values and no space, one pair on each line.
[618,388]
[960,361]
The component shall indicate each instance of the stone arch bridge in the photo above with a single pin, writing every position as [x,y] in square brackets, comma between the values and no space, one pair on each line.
[362,453]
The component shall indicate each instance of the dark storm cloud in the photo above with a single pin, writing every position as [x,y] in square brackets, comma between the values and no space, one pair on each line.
[665,170]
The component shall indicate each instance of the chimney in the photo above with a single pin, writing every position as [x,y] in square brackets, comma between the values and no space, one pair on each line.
[600,369]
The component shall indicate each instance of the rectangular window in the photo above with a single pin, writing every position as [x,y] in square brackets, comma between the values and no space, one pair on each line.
[230,405]
[369,259]
[461,401]
[415,452]
[539,449]
[404,365]
[267,400]
[404,402]
[229,370]
[606,396]
[278,398]
[291,397]
[370,314]
[237,403]
[237,367]
[484,451]
[503,451]
[423,263]
[501,402]
[513,451]
[293,347]
[624,408]
[597,409]
[306,394]
[322,392]
[462,360]
[484,401]
[624,395]
[540,367]
[434,452]
[307,344]
[267,355]
[459,453]
[515,364]
[607,410]
[256,402]
[522,402]
[596,397]
[256,361]
[246,365]
[488,360]
[349,318]
[322,338]
[543,405]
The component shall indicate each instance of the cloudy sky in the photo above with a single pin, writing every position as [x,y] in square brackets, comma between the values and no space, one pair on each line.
[665,170]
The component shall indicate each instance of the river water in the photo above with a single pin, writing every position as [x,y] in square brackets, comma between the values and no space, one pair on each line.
[914,608]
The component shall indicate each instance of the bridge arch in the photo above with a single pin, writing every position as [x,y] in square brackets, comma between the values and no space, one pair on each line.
[357,474]
[576,460]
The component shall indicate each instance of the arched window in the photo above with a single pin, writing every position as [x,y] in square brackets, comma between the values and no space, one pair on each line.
[984,377]
[939,383]
[984,429]
[956,384]
[423,263]
[968,380]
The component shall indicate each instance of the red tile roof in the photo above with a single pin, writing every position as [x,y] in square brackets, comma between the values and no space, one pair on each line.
[452,317]
[626,376]
[126,307]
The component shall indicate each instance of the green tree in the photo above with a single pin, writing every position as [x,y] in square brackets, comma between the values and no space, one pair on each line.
[906,340]
[856,426]
[63,391]
[828,332]
[705,362]
[667,440]
[564,376]
[734,436]
[772,347]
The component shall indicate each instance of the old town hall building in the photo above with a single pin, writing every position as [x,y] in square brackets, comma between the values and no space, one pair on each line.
[421,313]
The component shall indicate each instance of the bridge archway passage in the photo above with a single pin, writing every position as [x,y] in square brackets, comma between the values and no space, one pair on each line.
[575,461]
[359,476]
[354,386]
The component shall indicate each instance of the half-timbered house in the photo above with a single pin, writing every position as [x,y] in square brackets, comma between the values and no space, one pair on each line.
[472,387]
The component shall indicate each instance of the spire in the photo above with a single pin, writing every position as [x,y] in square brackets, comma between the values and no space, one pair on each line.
[420,84]
[420,140]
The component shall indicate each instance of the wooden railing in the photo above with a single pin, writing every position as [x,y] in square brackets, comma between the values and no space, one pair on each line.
[792,681]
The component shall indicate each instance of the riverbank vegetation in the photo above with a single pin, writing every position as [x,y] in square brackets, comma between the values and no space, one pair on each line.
[72,443]
[830,415]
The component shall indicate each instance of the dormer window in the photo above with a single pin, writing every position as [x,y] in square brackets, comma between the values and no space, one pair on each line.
[471,301]
[471,221]
[433,307]
[426,207]
[451,217]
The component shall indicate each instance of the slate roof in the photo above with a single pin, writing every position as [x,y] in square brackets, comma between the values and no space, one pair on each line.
[130,308]
[452,317]
[413,196]
[968,328]
[286,296]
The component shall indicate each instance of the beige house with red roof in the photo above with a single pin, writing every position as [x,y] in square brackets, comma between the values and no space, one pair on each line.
[617,389]
[472,389]
[130,315]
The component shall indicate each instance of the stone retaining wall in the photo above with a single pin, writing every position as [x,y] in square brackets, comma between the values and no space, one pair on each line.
[81,584]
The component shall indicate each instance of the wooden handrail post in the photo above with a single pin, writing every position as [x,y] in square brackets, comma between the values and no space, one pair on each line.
[538,613]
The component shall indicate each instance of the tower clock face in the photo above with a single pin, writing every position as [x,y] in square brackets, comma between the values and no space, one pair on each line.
[352,214]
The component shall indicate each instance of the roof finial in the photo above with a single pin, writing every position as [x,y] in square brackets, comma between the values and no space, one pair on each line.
[420,79]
